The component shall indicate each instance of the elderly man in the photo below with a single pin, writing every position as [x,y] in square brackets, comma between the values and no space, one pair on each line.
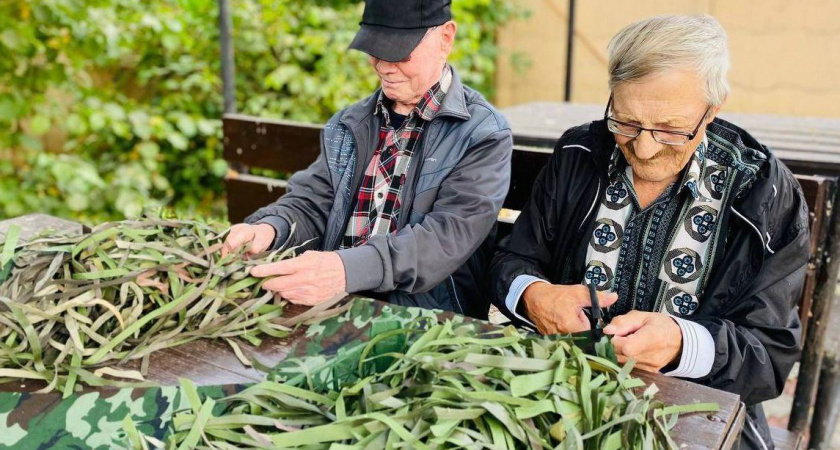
[408,183]
[693,232]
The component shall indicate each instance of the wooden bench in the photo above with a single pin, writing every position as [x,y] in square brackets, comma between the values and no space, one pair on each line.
[284,147]
[287,147]
[785,440]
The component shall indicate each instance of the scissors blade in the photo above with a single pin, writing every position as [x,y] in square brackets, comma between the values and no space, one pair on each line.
[596,307]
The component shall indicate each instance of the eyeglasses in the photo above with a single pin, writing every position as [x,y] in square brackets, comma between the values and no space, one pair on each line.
[667,137]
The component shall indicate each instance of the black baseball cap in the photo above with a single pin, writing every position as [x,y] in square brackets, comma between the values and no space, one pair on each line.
[392,29]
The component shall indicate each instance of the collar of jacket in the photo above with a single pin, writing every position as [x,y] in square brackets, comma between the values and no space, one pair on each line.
[428,105]
[763,185]
[690,178]
[454,104]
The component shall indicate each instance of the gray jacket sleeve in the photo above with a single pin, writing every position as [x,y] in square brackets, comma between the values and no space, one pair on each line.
[307,202]
[418,257]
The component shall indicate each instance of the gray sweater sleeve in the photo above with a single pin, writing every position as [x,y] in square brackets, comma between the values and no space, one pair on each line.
[307,202]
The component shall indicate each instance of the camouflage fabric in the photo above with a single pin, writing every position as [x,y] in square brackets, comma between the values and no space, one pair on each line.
[355,326]
[330,352]
[92,419]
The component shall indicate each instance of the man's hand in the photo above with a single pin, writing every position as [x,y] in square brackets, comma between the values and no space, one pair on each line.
[258,238]
[556,308]
[653,339]
[311,278]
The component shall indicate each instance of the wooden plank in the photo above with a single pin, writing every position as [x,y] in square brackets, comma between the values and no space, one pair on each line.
[827,407]
[811,167]
[270,144]
[813,144]
[552,118]
[699,430]
[33,225]
[785,440]
[733,435]
[813,349]
[815,189]
[166,368]
[247,193]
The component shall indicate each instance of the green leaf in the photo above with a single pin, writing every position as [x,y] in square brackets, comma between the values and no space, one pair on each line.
[186,125]
[178,141]
[31,143]
[9,109]
[148,150]
[140,124]
[219,168]
[39,124]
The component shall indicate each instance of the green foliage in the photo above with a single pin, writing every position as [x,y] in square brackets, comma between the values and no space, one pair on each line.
[108,106]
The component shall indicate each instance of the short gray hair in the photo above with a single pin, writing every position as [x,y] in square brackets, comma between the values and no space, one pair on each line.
[668,42]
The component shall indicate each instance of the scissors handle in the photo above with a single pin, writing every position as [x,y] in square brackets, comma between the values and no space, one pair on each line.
[596,307]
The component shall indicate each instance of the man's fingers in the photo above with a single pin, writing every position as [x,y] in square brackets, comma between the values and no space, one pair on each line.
[299,297]
[239,234]
[606,299]
[286,283]
[307,296]
[263,238]
[582,322]
[285,267]
[625,324]
[256,247]
[647,368]
[625,346]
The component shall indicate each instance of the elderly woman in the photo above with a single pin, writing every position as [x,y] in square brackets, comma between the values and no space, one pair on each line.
[694,233]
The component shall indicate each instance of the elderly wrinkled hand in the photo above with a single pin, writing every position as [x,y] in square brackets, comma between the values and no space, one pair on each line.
[653,339]
[310,279]
[558,308]
[258,238]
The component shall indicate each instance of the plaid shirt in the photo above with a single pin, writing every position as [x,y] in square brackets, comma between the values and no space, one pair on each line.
[378,201]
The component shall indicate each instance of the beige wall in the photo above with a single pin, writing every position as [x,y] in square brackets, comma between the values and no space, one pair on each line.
[785,55]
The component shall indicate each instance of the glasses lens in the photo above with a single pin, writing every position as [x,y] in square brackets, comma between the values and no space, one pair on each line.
[669,138]
[623,129]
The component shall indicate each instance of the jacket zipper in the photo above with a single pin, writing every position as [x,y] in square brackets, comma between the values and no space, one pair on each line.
[591,208]
[568,260]
[757,434]
[350,203]
[455,293]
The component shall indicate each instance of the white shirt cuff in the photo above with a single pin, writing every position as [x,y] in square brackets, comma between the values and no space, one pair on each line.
[517,288]
[698,350]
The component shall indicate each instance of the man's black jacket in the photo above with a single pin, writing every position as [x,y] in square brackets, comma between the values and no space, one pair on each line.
[750,301]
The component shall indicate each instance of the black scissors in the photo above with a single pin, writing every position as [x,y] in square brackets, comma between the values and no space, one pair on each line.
[596,317]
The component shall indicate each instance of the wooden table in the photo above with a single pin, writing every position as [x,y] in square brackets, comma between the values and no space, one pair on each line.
[806,145]
[207,362]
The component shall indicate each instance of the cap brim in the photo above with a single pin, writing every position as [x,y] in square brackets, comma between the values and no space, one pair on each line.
[387,44]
